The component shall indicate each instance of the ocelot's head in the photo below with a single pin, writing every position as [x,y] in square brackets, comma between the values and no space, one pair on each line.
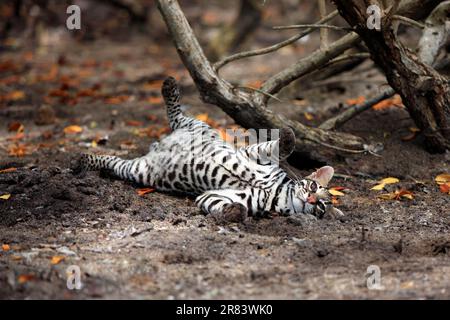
[314,193]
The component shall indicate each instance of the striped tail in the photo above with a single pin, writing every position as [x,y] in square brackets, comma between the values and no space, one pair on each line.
[132,170]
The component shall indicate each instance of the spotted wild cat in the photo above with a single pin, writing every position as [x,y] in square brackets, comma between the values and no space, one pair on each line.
[228,182]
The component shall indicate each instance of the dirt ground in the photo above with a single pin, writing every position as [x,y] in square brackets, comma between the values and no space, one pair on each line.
[159,246]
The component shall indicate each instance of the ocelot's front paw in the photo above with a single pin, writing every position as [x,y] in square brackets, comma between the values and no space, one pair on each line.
[234,212]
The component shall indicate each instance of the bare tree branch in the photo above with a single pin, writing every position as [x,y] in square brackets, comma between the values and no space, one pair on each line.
[272,48]
[408,21]
[323,31]
[309,64]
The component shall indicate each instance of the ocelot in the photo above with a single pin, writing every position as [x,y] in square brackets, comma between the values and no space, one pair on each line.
[229,182]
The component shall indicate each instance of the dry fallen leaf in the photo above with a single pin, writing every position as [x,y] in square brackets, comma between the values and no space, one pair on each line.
[134,123]
[445,187]
[143,191]
[412,135]
[359,100]
[336,191]
[87,93]
[382,183]
[378,187]
[334,201]
[5,196]
[23,278]
[73,129]
[404,193]
[5,247]
[58,93]
[17,150]
[15,126]
[154,100]
[117,99]
[12,169]
[397,195]
[308,116]
[442,178]
[57,259]
[389,180]
[395,101]
[14,95]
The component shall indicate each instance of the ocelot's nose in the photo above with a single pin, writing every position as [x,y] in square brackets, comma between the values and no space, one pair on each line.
[312,199]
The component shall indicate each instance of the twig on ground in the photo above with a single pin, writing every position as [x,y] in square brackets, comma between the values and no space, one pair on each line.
[312,26]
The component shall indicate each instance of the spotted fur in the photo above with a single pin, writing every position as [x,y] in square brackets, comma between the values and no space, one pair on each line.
[233,181]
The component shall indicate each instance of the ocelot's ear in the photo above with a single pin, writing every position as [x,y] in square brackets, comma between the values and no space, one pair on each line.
[322,175]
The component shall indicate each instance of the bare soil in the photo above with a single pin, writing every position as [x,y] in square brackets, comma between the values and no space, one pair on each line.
[160,246]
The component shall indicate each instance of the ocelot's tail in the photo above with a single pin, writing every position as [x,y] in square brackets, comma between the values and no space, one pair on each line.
[132,170]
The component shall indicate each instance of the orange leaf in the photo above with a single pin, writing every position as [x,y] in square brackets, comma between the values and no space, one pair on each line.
[154,100]
[15,126]
[117,99]
[25,278]
[143,191]
[445,188]
[392,102]
[73,129]
[5,247]
[404,193]
[17,150]
[359,100]
[134,123]
[397,195]
[334,201]
[8,170]
[15,95]
[57,259]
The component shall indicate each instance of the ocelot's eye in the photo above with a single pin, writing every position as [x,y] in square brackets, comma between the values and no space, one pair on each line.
[313,186]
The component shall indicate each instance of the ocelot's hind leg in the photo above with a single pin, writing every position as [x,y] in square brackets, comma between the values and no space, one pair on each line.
[224,205]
